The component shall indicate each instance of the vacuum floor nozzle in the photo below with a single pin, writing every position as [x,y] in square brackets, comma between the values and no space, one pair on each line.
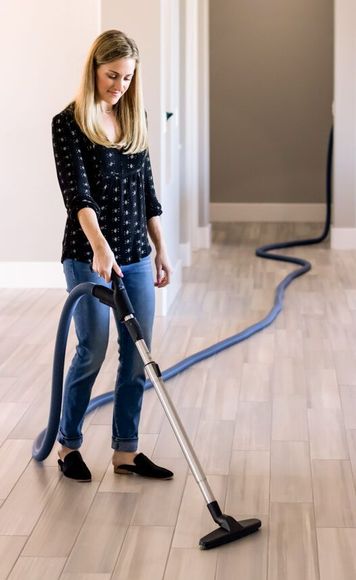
[237,531]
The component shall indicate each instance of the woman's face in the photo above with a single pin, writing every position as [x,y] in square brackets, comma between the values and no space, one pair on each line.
[113,79]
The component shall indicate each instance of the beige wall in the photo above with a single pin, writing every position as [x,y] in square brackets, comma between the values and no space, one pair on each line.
[271,95]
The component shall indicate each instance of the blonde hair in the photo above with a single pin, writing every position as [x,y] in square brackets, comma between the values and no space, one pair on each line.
[130,112]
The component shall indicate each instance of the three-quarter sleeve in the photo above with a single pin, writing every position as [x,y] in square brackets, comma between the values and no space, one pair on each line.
[70,167]
[153,207]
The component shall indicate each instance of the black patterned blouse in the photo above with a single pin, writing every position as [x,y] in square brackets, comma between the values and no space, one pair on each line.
[118,187]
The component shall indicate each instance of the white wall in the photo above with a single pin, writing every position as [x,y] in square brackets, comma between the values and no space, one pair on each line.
[157,43]
[43,75]
[43,45]
[145,30]
[344,222]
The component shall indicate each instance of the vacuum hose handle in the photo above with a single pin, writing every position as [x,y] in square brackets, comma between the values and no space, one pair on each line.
[121,300]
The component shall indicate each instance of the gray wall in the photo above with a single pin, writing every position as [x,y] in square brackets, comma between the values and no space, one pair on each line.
[271,89]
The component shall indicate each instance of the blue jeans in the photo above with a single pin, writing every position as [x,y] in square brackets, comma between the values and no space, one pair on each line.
[91,319]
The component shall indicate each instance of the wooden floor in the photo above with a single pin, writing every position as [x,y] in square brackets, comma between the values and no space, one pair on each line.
[273,421]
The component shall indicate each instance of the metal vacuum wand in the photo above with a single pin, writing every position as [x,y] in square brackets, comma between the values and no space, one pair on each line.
[229,529]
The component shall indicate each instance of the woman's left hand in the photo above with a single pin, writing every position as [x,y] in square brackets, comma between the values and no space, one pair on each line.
[163,269]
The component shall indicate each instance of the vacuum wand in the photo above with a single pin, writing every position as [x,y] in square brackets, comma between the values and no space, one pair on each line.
[229,529]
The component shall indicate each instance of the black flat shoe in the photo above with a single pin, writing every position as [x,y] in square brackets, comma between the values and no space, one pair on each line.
[144,467]
[74,467]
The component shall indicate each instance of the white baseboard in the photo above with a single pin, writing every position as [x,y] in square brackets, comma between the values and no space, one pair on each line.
[31,275]
[204,237]
[267,212]
[166,296]
[343,238]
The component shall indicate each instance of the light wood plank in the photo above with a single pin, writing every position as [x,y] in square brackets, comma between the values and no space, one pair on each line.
[85,576]
[232,358]
[23,506]
[37,568]
[328,476]
[26,388]
[351,443]
[6,386]
[351,298]
[322,389]
[337,553]
[189,389]
[159,500]
[288,378]
[174,344]
[289,344]
[34,418]
[253,426]
[317,354]
[152,413]
[61,520]
[289,419]
[338,335]
[337,309]
[167,444]
[10,415]
[10,549]
[256,382]
[94,552]
[292,546]
[327,434]
[220,400]
[348,398]
[345,366]
[312,303]
[144,553]
[14,458]
[194,520]
[17,363]
[246,557]
[214,457]
[261,348]
[290,472]
[248,482]
[186,563]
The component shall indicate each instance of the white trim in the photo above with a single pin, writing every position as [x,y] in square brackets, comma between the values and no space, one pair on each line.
[191,150]
[343,238]
[267,212]
[203,112]
[165,296]
[31,275]
[185,253]
[204,237]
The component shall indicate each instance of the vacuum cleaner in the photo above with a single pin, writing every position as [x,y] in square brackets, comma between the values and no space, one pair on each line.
[229,529]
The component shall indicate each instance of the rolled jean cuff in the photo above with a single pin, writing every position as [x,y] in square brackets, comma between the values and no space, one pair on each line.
[70,443]
[124,444]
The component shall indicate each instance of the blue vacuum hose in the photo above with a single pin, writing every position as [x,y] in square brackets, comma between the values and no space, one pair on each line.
[45,440]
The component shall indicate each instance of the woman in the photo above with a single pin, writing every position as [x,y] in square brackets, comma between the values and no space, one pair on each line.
[104,171]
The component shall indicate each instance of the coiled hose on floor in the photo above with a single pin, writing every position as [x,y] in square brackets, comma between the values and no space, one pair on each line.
[45,440]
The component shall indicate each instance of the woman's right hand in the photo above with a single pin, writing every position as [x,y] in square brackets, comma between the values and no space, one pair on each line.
[104,261]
